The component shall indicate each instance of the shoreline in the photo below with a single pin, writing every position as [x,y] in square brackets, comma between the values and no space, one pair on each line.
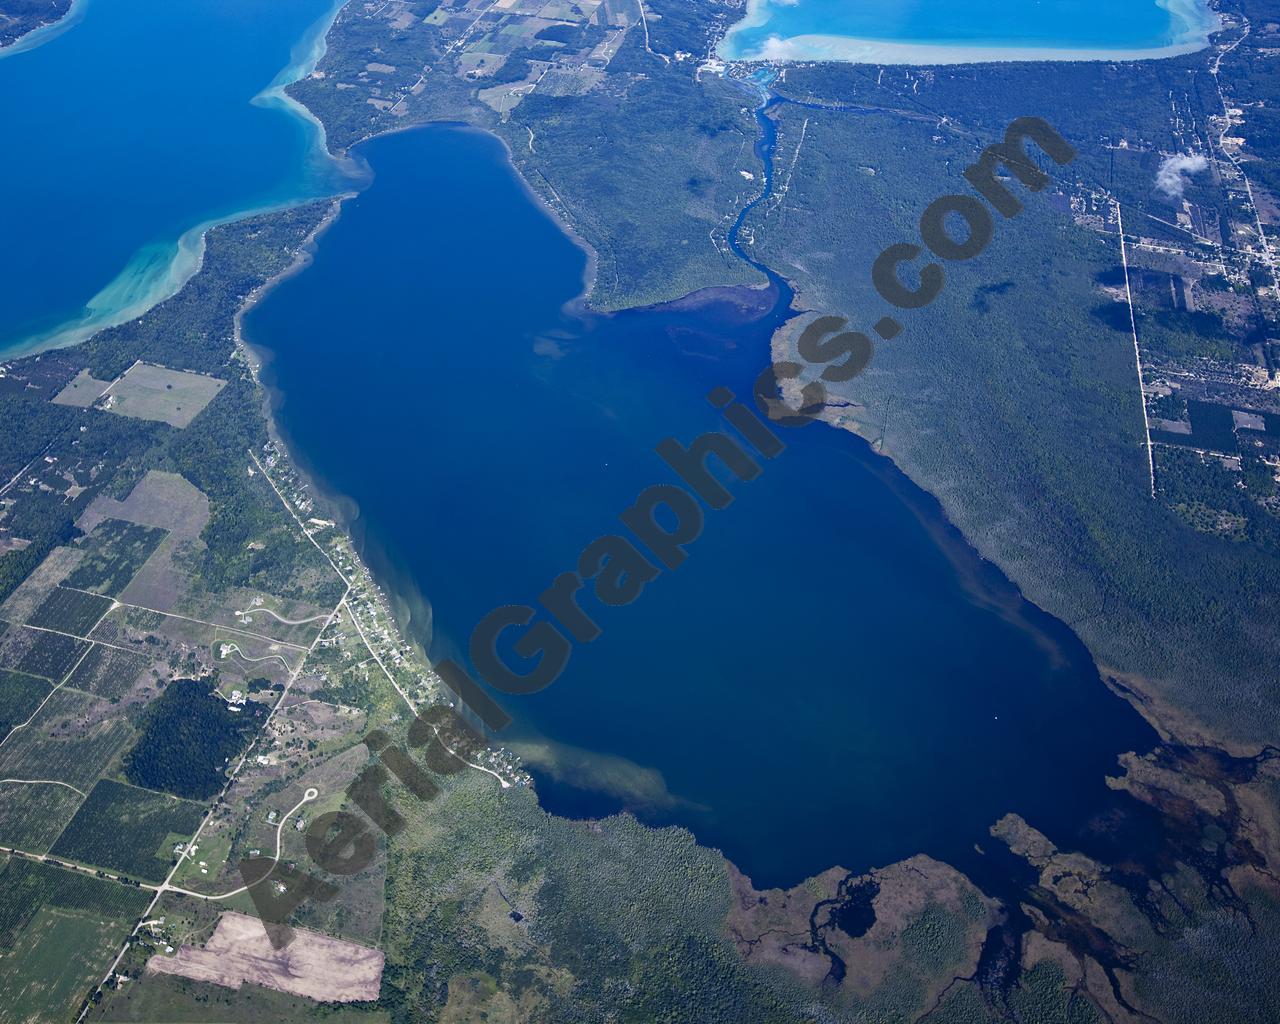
[747,301]
[143,284]
[1198,22]
[392,595]
[850,50]
[301,260]
[1174,726]
[580,302]
[395,603]
[399,600]
[132,293]
[304,58]
[294,468]
[307,54]
[45,31]
[186,263]
[590,272]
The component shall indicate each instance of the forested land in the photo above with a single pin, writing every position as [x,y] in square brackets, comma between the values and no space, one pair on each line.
[189,737]
[250,541]
[1009,398]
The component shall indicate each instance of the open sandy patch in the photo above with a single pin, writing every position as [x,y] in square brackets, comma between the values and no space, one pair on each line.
[312,965]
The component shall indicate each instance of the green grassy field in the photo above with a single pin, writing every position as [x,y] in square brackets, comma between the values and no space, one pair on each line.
[58,932]
[174,397]
[82,391]
[175,1000]
[55,964]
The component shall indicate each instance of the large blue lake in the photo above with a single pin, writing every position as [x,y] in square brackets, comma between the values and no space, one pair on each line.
[944,31]
[833,677]
[131,129]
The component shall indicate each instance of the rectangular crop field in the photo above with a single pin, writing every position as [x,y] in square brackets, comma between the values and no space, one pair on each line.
[59,931]
[56,963]
[82,391]
[32,815]
[129,830]
[22,603]
[70,611]
[152,392]
[27,885]
[161,583]
[14,644]
[72,739]
[107,672]
[165,500]
[52,655]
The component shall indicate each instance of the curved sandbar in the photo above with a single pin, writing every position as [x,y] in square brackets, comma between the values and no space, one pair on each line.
[148,205]
[28,38]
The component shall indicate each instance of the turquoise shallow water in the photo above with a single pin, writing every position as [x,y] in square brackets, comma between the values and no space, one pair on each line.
[132,128]
[824,28]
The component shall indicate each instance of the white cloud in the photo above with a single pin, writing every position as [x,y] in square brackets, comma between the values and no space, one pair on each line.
[1172,177]
[777,48]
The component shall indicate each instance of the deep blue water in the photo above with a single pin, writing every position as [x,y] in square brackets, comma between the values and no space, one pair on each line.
[130,129]
[833,677]
[814,29]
